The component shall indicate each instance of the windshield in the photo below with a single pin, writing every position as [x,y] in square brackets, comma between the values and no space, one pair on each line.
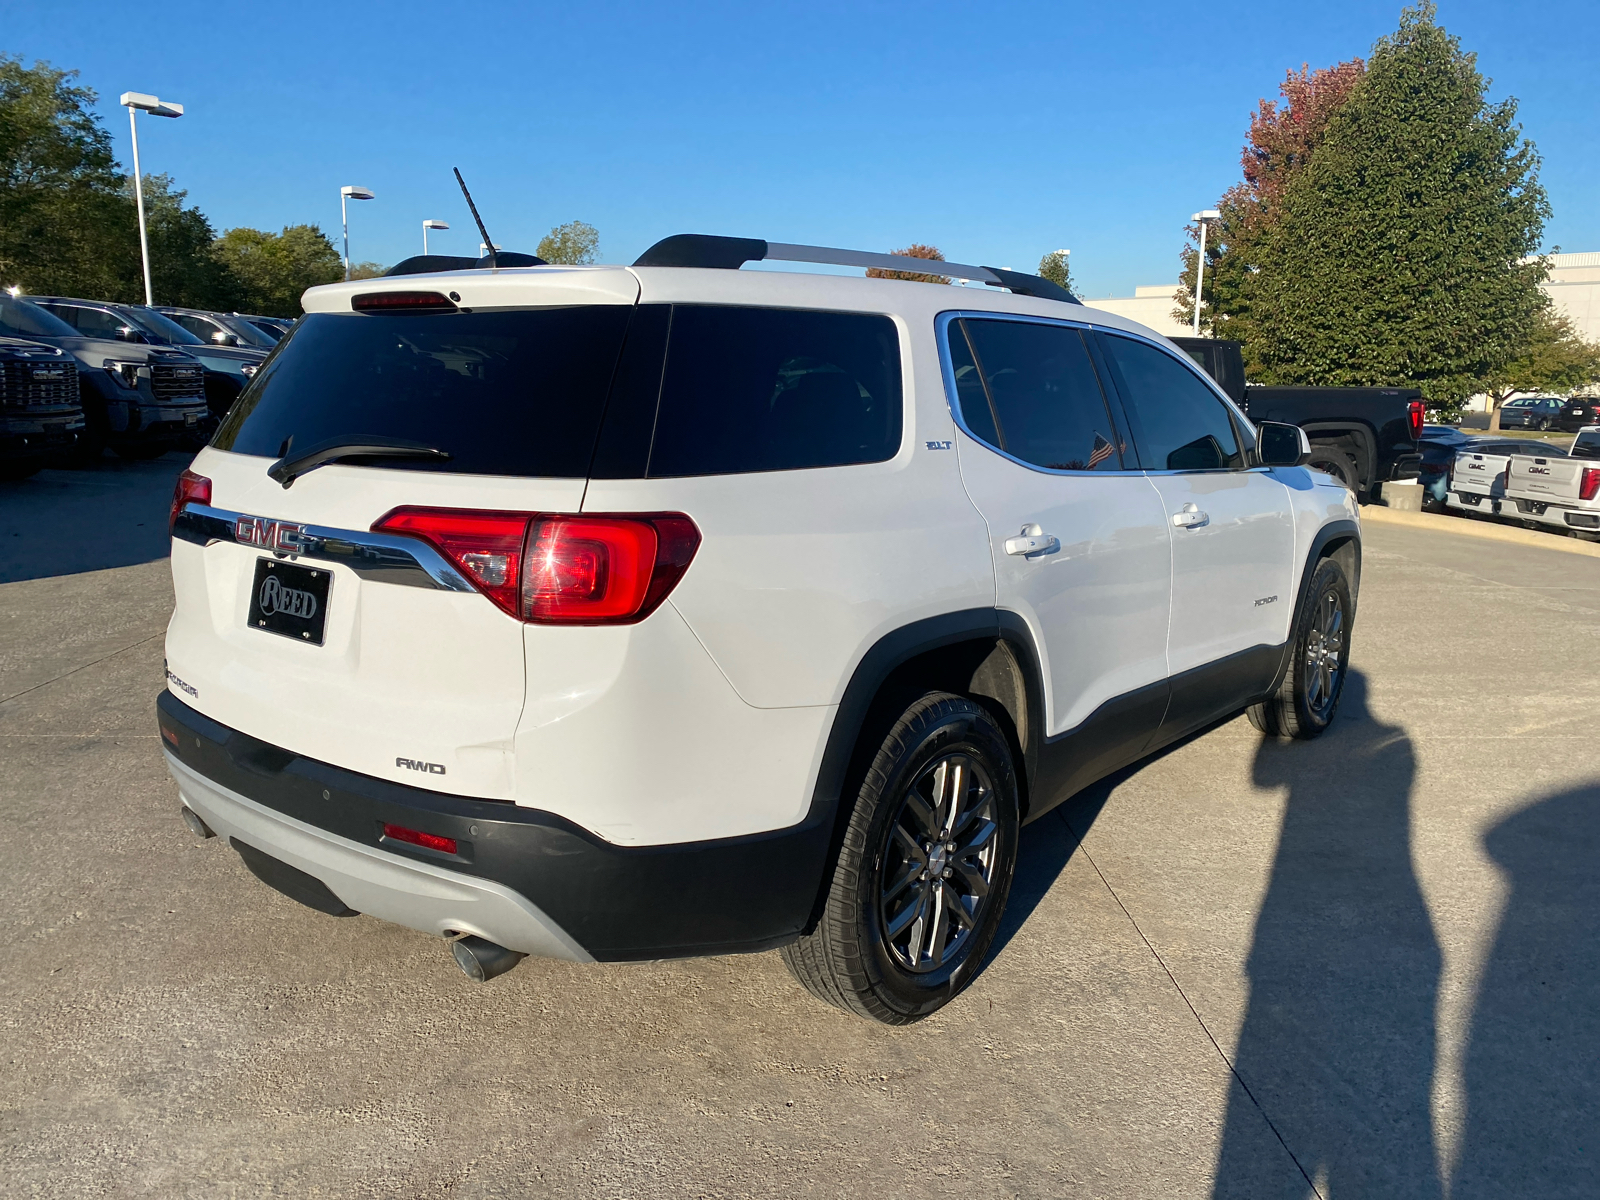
[158,326]
[18,318]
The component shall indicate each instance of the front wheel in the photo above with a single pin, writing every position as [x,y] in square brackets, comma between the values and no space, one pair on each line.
[1304,706]
[924,871]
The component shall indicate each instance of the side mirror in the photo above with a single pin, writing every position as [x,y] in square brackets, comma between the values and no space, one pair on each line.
[1281,445]
[127,333]
[225,339]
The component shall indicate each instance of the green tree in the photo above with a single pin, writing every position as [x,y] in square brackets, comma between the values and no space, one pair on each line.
[1280,142]
[273,269]
[574,244]
[1554,358]
[1055,267]
[64,224]
[1402,250]
[183,269]
[915,250]
[367,270]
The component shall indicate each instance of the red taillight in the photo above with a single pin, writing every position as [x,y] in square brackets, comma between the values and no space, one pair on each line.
[1589,484]
[189,487]
[555,569]
[1415,414]
[429,841]
[486,547]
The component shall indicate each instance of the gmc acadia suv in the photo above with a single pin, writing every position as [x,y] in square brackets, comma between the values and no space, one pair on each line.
[619,613]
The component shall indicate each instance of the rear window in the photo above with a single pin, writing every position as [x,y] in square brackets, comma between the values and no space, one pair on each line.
[1587,444]
[764,389]
[506,392]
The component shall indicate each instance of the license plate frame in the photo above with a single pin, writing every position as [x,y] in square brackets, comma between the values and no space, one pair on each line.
[290,600]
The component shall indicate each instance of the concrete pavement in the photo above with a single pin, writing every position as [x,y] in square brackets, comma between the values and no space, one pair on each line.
[1364,964]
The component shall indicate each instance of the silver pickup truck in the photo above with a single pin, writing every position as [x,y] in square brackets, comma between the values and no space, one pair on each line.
[1561,492]
[1477,480]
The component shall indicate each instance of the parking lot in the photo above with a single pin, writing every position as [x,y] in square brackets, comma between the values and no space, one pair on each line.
[1364,965]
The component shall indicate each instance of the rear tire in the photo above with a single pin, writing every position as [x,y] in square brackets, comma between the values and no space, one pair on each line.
[1305,704]
[1335,462]
[924,871]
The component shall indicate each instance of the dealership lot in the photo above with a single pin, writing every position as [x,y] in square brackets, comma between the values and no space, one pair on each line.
[1388,934]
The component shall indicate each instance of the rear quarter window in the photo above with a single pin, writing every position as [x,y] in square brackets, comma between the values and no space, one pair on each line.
[1587,444]
[764,389]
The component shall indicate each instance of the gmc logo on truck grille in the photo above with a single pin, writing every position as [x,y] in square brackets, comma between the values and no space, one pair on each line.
[282,537]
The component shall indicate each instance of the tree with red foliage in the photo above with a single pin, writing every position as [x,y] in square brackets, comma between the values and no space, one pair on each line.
[1281,141]
[915,250]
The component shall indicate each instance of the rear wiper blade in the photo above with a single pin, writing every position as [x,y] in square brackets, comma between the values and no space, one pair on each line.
[287,469]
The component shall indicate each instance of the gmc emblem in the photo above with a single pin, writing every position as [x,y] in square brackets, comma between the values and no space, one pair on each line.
[1538,470]
[282,537]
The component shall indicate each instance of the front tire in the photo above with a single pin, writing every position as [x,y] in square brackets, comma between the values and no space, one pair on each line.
[1306,703]
[924,871]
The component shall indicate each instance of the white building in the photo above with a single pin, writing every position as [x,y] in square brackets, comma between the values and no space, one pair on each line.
[1574,288]
[1150,306]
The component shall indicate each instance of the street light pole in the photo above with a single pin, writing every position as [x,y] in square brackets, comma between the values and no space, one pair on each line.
[1205,218]
[134,102]
[427,225]
[348,193]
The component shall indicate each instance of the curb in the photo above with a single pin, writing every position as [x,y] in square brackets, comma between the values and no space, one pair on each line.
[1479,529]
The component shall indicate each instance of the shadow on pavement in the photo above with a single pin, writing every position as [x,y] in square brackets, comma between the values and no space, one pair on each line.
[1337,1044]
[110,514]
[1533,1056]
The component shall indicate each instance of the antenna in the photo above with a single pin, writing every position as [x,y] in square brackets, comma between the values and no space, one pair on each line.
[494,263]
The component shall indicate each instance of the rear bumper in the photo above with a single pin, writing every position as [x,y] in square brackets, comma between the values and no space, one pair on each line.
[529,880]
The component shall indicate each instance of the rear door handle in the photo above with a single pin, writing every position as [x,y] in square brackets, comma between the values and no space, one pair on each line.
[1033,540]
[1190,517]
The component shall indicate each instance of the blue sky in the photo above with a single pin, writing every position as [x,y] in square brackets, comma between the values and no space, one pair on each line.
[995,131]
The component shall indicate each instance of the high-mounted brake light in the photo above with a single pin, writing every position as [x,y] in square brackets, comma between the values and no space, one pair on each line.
[402,302]
[610,569]
[1589,483]
[1414,415]
[189,487]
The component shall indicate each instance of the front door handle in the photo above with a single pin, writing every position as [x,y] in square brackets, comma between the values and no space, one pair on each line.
[1190,517]
[1031,541]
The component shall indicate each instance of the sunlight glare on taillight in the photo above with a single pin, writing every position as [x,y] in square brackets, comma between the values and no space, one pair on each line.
[604,570]
[1589,483]
[486,547]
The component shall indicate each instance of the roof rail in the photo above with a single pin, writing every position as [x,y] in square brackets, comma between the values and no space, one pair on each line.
[731,253]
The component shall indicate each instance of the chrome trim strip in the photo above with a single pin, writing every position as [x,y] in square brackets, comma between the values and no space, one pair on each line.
[379,557]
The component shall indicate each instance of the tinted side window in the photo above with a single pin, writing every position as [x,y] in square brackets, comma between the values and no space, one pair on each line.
[1587,445]
[766,389]
[972,398]
[1178,422]
[94,322]
[1048,407]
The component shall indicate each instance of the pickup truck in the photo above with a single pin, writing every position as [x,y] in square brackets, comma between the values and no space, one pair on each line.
[1560,492]
[1477,474]
[1360,435]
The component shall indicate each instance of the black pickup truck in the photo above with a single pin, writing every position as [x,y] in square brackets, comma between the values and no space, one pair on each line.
[1362,435]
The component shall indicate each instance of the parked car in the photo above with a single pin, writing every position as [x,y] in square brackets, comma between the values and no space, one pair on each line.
[1360,436]
[1439,454]
[273,327]
[220,329]
[39,411]
[1531,412]
[1557,490]
[1477,477]
[1578,412]
[765,621]
[138,399]
[227,368]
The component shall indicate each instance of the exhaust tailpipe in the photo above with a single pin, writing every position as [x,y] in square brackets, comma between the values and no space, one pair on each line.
[196,826]
[481,960]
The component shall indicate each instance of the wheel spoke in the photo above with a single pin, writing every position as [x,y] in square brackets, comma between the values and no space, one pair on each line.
[912,848]
[919,809]
[955,906]
[941,925]
[912,916]
[976,839]
[950,802]
[973,878]
[912,872]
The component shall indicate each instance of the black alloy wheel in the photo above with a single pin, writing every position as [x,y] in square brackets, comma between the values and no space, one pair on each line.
[1305,705]
[924,870]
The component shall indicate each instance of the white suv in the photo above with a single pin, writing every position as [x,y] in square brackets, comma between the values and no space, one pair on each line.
[639,612]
